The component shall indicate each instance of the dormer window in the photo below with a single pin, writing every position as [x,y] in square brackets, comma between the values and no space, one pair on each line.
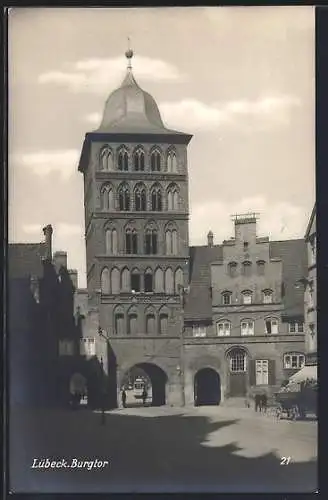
[247,268]
[226,298]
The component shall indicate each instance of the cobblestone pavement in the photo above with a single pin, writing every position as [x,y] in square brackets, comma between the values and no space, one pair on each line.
[163,449]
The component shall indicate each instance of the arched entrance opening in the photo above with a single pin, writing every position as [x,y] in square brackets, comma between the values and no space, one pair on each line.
[207,387]
[78,389]
[237,358]
[149,376]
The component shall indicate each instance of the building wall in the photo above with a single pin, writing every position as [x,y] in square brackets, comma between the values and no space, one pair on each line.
[310,304]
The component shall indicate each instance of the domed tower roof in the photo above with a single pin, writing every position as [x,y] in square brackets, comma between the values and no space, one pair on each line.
[130,109]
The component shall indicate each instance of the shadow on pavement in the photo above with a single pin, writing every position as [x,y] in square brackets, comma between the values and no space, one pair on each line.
[165,453]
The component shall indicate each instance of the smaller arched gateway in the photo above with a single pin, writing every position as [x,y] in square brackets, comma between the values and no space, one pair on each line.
[207,387]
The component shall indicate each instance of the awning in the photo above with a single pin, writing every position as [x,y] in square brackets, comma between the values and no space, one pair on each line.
[307,372]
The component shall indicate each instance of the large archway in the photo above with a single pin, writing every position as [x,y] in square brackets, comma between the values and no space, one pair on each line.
[207,387]
[154,379]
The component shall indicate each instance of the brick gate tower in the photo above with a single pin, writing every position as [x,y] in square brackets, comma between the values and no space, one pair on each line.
[136,230]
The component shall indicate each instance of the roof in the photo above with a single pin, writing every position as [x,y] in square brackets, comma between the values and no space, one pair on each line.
[310,223]
[198,305]
[130,109]
[25,260]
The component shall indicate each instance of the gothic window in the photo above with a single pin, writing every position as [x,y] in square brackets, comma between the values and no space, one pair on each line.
[139,160]
[163,321]
[107,198]
[237,358]
[260,267]
[172,198]
[135,281]
[106,159]
[119,327]
[140,198]
[111,242]
[125,280]
[159,280]
[123,160]
[178,280]
[151,246]
[155,161]
[232,269]
[115,280]
[172,164]
[247,268]
[148,280]
[150,323]
[132,322]
[156,199]
[105,282]
[171,240]
[124,197]
[169,281]
[131,241]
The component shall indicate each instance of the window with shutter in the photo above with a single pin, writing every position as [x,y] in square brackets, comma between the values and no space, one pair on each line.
[262,372]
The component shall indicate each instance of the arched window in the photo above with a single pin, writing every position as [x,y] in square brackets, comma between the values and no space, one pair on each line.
[124,197]
[115,280]
[294,360]
[132,321]
[223,328]
[111,241]
[119,327]
[150,321]
[156,199]
[260,267]
[139,160]
[151,241]
[123,160]
[131,240]
[226,298]
[159,280]
[247,296]
[140,198]
[178,280]
[169,281]
[106,159]
[125,280]
[163,321]
[267,296]
[155,161]
[232,269]
[135,280]
[172,198]
[107,198]
[172,164]
[246,327]
[171,240]
[271,326]
[237,358]
[105,281]
[149,286]
[247,268]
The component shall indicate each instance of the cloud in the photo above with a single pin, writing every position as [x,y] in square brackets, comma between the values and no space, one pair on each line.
[191,114]
[100,75]
[279,220]
[44,162]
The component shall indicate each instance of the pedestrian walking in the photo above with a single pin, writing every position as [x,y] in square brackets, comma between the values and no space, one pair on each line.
[257,400]
[123,398]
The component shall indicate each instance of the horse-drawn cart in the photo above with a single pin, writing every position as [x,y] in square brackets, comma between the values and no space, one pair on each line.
[297,401]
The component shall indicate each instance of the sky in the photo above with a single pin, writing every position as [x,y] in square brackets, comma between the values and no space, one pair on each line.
[240,79]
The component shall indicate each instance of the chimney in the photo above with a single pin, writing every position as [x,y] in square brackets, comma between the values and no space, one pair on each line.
[59,260]
[47,231]
[210,237]
[73,275]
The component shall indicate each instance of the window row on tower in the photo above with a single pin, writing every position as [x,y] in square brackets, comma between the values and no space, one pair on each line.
[139,199]
[134,322]
[145,243]
[117,281]
[125,160]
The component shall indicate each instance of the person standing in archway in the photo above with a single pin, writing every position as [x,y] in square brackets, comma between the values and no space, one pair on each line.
[123,398]
[144,396]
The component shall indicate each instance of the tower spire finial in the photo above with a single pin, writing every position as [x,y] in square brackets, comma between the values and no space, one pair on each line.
[129,54]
